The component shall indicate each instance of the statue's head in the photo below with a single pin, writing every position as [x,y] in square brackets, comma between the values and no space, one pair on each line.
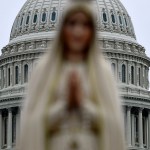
[77,31]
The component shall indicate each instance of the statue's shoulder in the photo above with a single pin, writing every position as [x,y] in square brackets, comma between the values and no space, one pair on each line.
[104,65]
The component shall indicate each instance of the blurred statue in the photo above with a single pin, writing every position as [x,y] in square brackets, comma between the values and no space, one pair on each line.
[72,102]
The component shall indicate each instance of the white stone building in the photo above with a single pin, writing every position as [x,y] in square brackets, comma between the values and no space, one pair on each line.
[33,32]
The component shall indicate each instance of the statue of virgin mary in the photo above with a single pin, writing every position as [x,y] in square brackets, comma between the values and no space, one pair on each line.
[72,101]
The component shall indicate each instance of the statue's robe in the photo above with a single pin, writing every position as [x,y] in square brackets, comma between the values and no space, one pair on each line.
[76,129]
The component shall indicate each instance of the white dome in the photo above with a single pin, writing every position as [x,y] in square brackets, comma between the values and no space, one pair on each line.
[41,17]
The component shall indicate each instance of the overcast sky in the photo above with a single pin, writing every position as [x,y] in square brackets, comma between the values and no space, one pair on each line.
[139,10]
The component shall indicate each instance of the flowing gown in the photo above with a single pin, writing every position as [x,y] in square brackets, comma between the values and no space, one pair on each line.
[78,129]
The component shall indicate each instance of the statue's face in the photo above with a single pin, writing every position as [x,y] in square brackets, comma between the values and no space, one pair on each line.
[77,32]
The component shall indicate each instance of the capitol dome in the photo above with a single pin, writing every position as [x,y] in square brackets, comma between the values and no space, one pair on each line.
[42,17]
[33,33]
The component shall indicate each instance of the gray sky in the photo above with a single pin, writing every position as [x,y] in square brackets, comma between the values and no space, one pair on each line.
[139,10]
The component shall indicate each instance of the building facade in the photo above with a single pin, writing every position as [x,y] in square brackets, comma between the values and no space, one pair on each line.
[33,33]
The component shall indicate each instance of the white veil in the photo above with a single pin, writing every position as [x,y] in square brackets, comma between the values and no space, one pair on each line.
[42,86]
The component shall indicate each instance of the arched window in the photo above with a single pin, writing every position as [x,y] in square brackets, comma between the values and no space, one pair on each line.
[28,18]
[120,19]
[125,20]
[113,18]
[35,18]
[12,29]
[21,21]
[139,71]
[44,17]
[25,73]
[104,17]
[3,80]
[113,67]
[8,76]
[123,73]
[16,75]
[16,24]
[53,16]
[132,75]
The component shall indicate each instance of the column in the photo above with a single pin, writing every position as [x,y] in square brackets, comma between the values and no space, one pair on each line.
[21,112]
[127,73]
[133,129]
[129,126]
[6,76]
[145,131]
[4,80]
[9,133]
[11,74]
[30,67]
[125,118]
[18,125]
[119,71]
[140,128]
[0,78]
[142,76]
[0,129]
[148,78]
[136,74]
[22,72]
[19,74]
[149,129]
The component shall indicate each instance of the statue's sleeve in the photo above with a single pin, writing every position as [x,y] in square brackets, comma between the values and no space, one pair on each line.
[90,108]
[91,113]
[56,114]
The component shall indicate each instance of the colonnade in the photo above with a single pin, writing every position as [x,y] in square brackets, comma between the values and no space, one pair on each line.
[131,73]
[137,126]
[9,127]
[14,74]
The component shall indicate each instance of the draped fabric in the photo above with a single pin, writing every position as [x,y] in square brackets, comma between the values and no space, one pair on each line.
[41,95]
